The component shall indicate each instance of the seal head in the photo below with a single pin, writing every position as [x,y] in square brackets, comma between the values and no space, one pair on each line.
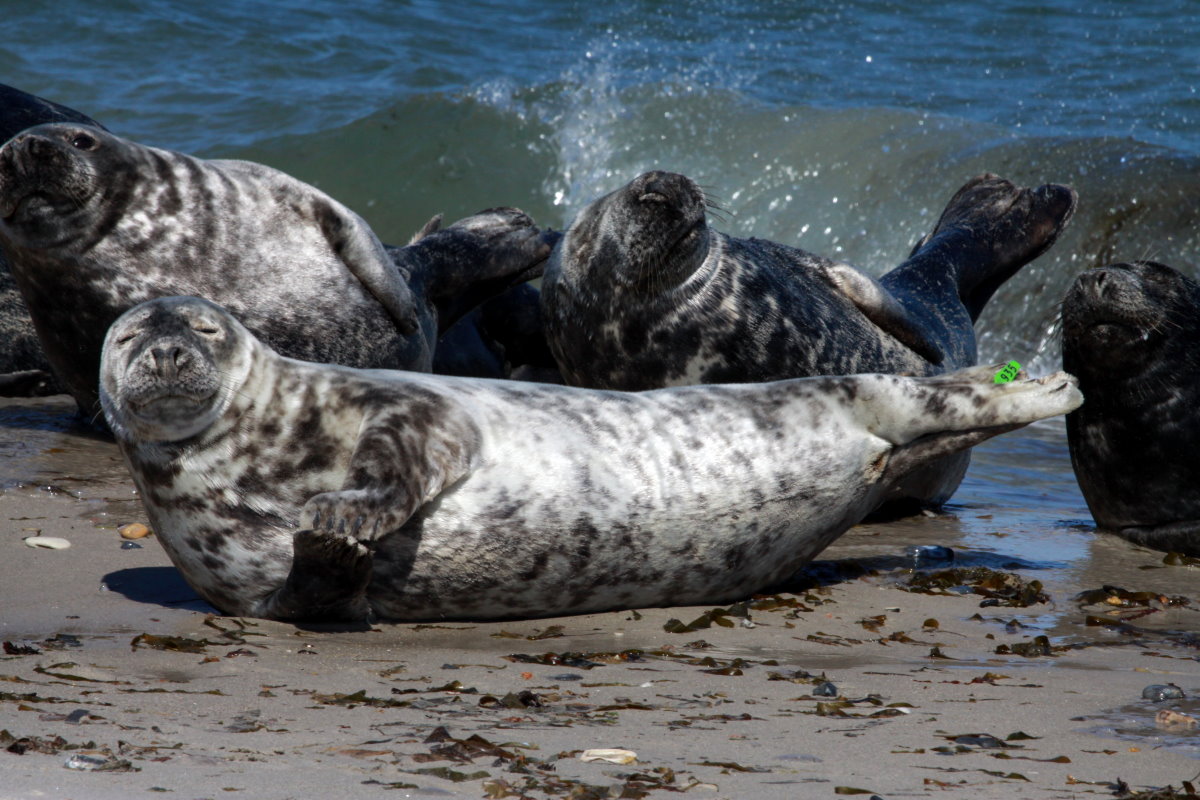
[176,365]
[1131,332]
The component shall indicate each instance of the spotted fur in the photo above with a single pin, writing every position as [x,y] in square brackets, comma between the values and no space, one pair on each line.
[1131,333]
[641,294]
[93,224]
[426,497]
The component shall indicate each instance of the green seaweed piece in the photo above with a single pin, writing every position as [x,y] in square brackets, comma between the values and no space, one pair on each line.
[177,644]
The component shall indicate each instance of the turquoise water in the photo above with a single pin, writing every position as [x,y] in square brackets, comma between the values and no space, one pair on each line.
[842,128]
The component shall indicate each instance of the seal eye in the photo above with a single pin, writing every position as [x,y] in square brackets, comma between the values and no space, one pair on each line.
[127,337]
[84,141]
[206,330]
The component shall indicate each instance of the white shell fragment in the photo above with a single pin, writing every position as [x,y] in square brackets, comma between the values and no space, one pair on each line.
[48,542]
[611,755]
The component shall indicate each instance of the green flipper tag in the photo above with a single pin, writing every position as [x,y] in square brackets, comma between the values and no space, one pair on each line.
[1008,373]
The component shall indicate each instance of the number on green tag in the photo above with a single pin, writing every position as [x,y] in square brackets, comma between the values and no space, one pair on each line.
[1008,373]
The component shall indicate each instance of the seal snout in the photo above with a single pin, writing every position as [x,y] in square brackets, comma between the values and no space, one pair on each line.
[169,361]
[667,189]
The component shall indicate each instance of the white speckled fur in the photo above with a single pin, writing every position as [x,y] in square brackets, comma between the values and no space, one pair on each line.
[499,499]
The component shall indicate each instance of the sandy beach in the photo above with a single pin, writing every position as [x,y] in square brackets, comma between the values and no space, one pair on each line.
[844,683]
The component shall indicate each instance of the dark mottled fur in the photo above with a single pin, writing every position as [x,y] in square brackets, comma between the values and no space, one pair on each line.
[503,338]
[478,498]
[1131,332]
[93,224]
[641,293]
[24,370]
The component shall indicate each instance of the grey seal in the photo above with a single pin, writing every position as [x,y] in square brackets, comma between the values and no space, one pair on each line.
[641,293]
[293,490]
[94,224]
[24,370]
[1131,332]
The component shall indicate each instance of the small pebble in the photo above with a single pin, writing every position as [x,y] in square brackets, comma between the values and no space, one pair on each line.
[1174,721]
[134,530]
[1162,691]
[130,546]
[48,542]
[825,689]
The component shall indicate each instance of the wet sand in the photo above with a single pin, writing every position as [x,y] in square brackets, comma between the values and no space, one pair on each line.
[922,703]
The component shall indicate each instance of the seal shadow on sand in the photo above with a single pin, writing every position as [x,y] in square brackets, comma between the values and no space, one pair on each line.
[166,588]
[160,586]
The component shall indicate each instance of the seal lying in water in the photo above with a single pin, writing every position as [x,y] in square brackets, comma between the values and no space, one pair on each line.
[1131,332]
[640,293]
[293,490]
[93,224]
[24,370]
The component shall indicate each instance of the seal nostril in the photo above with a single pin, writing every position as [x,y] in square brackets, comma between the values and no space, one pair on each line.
[653,197]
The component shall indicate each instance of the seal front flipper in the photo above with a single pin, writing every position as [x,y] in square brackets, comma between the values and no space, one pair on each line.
[364,255]
[327,582]
[401,461]
[878,305]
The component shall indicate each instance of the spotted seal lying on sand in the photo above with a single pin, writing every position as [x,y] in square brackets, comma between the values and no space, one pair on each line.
[641,293]
[93,224]
[293,490]
[1131,332]
[24,370]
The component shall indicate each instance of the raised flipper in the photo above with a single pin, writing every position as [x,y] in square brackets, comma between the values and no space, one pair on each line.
[990,229]
[879,306]
[459,267]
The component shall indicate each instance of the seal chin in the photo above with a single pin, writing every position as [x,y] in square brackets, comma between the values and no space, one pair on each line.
[171,413]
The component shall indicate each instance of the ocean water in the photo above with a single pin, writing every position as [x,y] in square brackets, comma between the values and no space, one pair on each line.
[841,128]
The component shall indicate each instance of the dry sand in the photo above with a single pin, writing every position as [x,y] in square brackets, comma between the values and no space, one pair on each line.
[270,710]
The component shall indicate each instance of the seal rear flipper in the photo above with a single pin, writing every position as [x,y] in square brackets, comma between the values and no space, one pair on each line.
[989,230]
[327,583]
[923,451]
[477,258]
[878,305]
[1173,537]
[28,383]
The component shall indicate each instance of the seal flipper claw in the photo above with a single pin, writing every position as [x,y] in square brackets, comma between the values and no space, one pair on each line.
[327,582]
[434,225]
